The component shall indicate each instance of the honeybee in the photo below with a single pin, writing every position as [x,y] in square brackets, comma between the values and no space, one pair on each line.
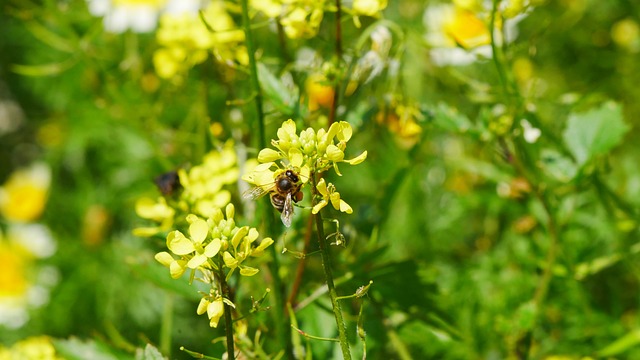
[284,191]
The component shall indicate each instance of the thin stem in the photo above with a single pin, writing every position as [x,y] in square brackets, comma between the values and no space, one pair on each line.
[282,331]
[336,87]
[301,264]
[494,49]
[228,320]
[253,67]
[167,325]
[328,273]
[308,336]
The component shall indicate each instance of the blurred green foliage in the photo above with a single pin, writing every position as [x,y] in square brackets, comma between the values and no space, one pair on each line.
[480,244]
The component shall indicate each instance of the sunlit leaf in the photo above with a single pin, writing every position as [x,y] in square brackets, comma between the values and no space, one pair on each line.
[275,91]
[46,69]
[595,132]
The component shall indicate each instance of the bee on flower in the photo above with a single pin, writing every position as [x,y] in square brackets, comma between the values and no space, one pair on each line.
[300,156]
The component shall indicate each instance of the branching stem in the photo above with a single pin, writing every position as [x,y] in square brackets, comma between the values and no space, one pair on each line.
[328,273]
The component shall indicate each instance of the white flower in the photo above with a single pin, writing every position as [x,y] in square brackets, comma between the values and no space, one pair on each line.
[530,133]
[119,16]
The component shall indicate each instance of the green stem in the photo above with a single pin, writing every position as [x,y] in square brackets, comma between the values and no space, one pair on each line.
[328,273]
[253,67]
[167,325]
[494,49]
[336,87]
[228,319]
[309,336]
[283,332]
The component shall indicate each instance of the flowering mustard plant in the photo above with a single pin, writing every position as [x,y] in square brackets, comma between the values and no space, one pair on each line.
[186,40]
[311,152]
[213,246]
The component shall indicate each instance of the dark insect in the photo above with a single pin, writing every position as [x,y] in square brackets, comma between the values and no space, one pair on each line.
[284,191]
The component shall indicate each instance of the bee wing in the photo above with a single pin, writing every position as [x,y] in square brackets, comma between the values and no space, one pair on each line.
[255,193]
[287,211]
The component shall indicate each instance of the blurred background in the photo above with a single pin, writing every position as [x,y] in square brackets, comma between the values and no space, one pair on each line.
[496,213]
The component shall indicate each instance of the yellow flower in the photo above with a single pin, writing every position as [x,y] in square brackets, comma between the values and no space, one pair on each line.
[369,7]
[319,92]
[186,40]
[158,211]
[303,22]
[13,281]
[24,195]
[20,275]
[33,348]
[198,250]
[214,309]
[330,195]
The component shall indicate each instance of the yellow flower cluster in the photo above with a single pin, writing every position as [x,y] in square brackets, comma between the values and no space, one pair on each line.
[23,198]
[33,348]
[311,152]
[206,240]
[24,195]
[211,245]
[203,191]
[186,39]
[302,18]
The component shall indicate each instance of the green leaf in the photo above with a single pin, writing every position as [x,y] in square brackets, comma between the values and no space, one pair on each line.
[50,38]
[45,69]
[75,348]
[595,132]
[149,352]
[278,94]
[621,345]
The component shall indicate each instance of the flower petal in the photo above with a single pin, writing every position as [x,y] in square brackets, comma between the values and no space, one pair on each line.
[213,248]
[334,153]
[322,188]
[164,258]
[237,237]
[198,230]
[265,243]
[295,157]
[202,306]
[177,268]
[319,206]
[345,131]
[215,310]
[196,261]
[229,260]
[344,207]
[248,271]
[179,244]
[358,159]
[268,155]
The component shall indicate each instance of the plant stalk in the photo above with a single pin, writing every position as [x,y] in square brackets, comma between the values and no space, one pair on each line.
[336,87]
[228,319]
[253,69]
[328,273]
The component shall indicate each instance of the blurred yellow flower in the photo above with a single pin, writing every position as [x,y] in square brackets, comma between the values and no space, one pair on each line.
[23,283]
[303,22]
[24,195]
[626,34]
[401,120]
[368,7]
[320,93]
[186,39]
[33,348]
